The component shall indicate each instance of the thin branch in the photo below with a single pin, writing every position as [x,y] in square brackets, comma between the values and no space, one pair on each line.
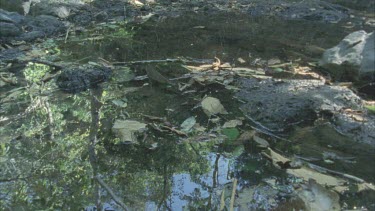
[184,60]
[233,194]
[67,33]
[39,61]
[113,195]
[222,200]
[178,132]
[147,61]
[270,134]
[322,169]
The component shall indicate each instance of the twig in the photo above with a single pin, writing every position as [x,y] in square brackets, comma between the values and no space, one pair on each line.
[322,169]
[306,158]
[113,195]
[52,64]
[184,60]
[222,200]
[233,194]
[67,33]
[270,134]
[10,81]
[153,118]
[79,60]
[178,132]
[147,61]
[96,104]
[260,125]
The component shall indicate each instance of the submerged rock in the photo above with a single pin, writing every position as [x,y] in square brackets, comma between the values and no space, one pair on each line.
[279,105]
[356,50]
[80,79]
[14,26]
[9,30]
[48,24]
[9,24]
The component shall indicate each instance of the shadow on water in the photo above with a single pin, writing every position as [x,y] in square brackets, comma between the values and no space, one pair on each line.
[227,36]
[45,148]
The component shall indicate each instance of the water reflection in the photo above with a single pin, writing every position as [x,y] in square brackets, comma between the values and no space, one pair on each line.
[55,147]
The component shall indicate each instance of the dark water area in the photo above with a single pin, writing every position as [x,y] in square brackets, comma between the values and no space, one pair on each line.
[44,145]
[228,36]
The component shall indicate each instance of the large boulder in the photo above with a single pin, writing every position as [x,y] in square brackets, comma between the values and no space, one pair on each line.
[48,24]
[355,52]
[9,24]
[10,17]
[76,80]
[14,26]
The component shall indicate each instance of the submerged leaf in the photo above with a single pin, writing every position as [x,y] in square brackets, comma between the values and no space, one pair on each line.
[188,124]
[232,123]
[231,133]
[126,129]
[212,106]
[262,142]
[120,103]
[278,160]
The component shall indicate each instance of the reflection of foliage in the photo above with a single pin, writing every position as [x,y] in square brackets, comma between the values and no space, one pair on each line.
[231,133]
[51,171]
[371,108]
[113,30]
[55,169]
[51,47]
[122,33]
[35,72]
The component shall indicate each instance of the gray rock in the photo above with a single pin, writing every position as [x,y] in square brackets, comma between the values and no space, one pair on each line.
[80,79]
[12,5]
[357,49]
[62,12]
[101,16]
[9,30]
[9,55]
[10,17]
[279,105]
[48,24]
[5,18]
[30,36]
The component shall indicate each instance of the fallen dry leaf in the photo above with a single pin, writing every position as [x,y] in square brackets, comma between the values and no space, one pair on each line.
[212,106]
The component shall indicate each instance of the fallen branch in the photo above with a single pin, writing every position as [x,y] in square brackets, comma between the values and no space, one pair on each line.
[52,64]
[113,195]
[324,170]
[153,118]
[222,200]
[184,60]
[233,194]
[260,125]
[178,132]
[270,134]
[147,61]
[6,80]
[67,33]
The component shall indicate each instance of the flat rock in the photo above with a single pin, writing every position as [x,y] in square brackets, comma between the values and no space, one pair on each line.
[279,105]
[357,50]
[9,30]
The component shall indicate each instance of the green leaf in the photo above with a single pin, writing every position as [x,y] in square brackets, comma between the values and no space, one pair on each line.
[231,133]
